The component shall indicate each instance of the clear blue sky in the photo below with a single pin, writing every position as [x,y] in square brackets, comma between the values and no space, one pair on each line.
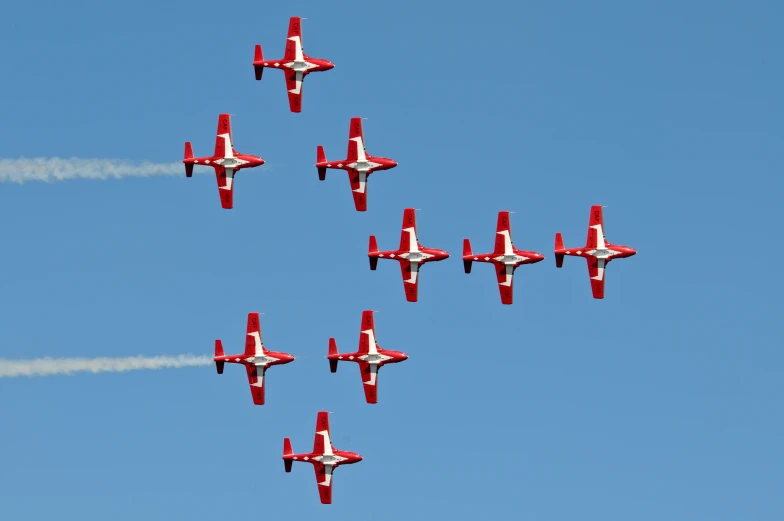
[660,402]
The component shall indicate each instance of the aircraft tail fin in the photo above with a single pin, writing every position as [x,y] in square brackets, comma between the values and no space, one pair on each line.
[188,159]
[559,245]
[372,251]
[467,253]
[333,351]
[258,58]
[287,452]
[321,159]
[219,352]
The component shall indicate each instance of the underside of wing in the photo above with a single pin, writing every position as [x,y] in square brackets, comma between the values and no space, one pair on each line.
[503,235]
[505,275]
[356,141]
[410,271]
[253,342]
[256,381]
[225,177]
[408,234]
[322,438]
[294,40]
[294,83]
[359,189]
[369,374]
[324,481]
[367,332]
[223,140]
[596,271]
[595,238]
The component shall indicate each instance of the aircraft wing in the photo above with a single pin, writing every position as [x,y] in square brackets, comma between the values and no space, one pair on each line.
[324,480]
[225,177]
[503,235]
[322,442]
[369,374]
[223,140]
[359,189]
[256,381]
[596,270]
[410,272]
[595,238]
[367,332]
[294,50]
[294,81]
[253,341]
[356,141]
[505,275]
[408,234]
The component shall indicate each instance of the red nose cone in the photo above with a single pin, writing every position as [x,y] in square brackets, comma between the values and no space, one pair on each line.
[330,65]
[632,251]
[403,356]
[394,163]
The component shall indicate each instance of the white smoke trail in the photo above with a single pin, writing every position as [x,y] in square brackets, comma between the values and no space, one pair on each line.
[54,366]
[49,169]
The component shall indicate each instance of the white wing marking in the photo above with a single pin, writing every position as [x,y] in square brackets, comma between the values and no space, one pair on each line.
[297,83]
[600,245]
[599,269]
[509,272]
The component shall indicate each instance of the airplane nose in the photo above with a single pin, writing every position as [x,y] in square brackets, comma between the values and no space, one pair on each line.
[446,255]
[394,163]
[404,356]
[632,251]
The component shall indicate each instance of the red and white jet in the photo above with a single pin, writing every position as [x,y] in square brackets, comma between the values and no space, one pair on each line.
[325,458]
[411,255]
[295,63]
[597,251]
[226,161]
[505,257]
[359,164]
[256,359]
[370,356]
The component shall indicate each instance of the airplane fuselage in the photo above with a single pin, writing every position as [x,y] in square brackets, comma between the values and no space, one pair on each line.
[608,253]
[262,360]
[305,65]
[230,162]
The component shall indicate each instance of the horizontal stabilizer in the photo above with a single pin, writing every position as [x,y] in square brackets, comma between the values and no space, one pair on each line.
[321,158]
[218,353]
[373,249]
[188,156]
[287,452]
[258,57]
[333,350]
[467,253]
[559,246]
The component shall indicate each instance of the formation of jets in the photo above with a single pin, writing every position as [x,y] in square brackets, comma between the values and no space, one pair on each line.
[411,256]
